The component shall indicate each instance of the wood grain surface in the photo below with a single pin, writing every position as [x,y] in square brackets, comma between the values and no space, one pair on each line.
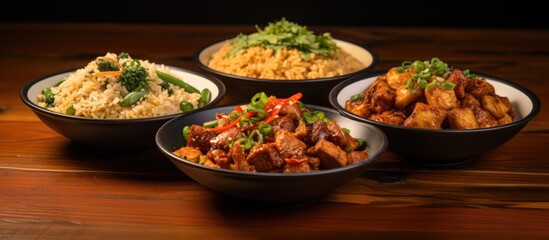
[51,188]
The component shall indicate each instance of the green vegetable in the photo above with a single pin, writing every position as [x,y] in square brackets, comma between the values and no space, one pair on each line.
[123,55]
[185,132]
[106,66]
[468,74]
[176,81]
[245,143]
[166,86]
[186,106]
[205,97]
[70,110]
[59,83]
[211,124]
[285,34]
[133,97]
[259,100]
[134,77]
[312,117]
[357,97]
[49,98]
[265,129]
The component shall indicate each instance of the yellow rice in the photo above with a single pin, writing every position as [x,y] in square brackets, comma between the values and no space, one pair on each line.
[284,64]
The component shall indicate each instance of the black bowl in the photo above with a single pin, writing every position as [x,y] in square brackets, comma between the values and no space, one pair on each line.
[242,89]
[112,134]
[444,147]
[283,188]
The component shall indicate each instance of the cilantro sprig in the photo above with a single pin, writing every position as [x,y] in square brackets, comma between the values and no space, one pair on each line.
[426,74]
[286,34]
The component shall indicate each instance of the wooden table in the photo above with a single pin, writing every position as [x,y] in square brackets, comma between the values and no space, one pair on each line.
[51,188]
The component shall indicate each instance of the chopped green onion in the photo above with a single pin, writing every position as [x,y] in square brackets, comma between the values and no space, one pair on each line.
[265,129]
[357,97]
[211,124]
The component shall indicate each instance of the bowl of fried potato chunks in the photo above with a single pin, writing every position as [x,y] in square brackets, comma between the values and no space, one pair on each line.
[434,114]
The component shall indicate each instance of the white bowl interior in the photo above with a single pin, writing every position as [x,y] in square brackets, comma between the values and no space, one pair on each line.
[522,103]
[197,81]
[360,53]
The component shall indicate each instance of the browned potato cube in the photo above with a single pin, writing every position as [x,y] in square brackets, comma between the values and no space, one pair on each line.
[425,116]
[441,98]
[462,118]
[495,105]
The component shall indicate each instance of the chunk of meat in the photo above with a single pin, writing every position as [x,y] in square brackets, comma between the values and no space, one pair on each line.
[383,98]
[337,135]
[330,155]
[200,137]
[483,117]
[219,157]
[356,156]
[238,155]
[390,117]
[496,105]
[395,79]
[292,111]
[505,120]
[298,168]
[288,145]
[462,118]
[318,130]
[189,153]
[222,140]
[460,80]
[264,157]
[359,108]
[441,97]
[405,96]
[480,87]
[425,116]
[283,123]
[301,130]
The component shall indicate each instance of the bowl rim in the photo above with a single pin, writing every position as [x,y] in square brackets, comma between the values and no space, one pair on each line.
[536,106]
[266,175]
[23,95]
[367,69]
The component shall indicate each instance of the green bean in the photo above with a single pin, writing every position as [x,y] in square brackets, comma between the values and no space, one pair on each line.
[176,81]
[186,106]
[205,97]
[133,97]
[59,83]
[185,132]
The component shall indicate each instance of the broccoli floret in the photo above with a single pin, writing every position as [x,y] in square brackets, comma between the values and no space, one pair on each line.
[134,76]
[105,66]
[123,55]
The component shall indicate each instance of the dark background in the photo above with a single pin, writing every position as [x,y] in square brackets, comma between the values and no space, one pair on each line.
[444,13]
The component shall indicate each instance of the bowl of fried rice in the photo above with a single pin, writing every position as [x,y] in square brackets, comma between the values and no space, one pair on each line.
[118,102]
[284,57]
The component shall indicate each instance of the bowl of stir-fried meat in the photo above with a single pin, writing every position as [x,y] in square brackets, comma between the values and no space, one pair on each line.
[274,150]
[434,114]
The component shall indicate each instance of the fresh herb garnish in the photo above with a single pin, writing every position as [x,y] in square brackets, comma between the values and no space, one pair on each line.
[285,34]
[426,74]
